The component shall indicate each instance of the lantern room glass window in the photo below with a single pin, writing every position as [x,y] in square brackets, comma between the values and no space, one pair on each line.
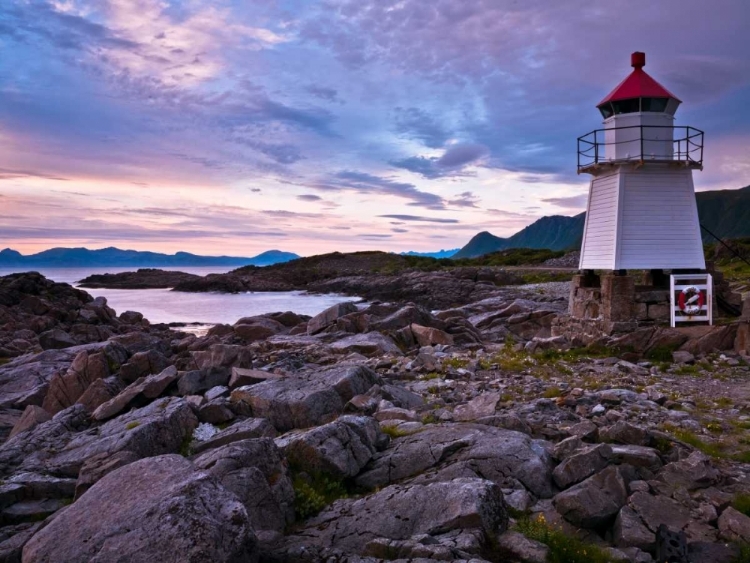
[634,105]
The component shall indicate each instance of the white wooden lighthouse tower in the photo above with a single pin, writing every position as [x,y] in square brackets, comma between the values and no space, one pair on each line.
[642,212]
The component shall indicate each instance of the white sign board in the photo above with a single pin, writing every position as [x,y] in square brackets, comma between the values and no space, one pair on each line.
[691,298]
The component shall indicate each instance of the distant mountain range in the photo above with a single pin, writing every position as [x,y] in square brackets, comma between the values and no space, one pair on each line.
[115,258]
[438,254]
[726,213]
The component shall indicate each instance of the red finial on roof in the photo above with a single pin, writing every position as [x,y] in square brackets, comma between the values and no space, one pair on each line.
[638,84]
[638,60]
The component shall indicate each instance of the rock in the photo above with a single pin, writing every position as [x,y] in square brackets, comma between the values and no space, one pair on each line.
[157,509]
[624,433]
[216,392]
[243,430]
[142,364]
[65,390]
[629,531]
[11,547]
[216,411]
[581,465]
[401,397]
[439,452]
[41,487]
[396,413]
[682,357]
[427,336]
[657,510]
[223,357]
[483,405]
[61,446]
[519,547]
[56,339]
[99,392]
[637,456]
[361,404]
[251,333]
[25,381]
[199,381]
[595,502]
[322,320]
[256,472]
[340,448]
[31,418]
[98,466]
[567,447]
[30,511]
[243,376]
[131,317]
[306,399]
[145,388]
[406,316]
[734,526]
[401,512]
[692,473]
[368,344]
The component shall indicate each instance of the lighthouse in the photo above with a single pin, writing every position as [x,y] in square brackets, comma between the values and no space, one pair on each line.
[642,212]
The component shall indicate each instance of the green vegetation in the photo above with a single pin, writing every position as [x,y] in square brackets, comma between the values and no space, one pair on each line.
[511,257]
[741,503]
[563,547]
[552,392]
[314,491]
[429,419]
[395,432]
[661,354]
[185,449]
[4,361]
[131,425]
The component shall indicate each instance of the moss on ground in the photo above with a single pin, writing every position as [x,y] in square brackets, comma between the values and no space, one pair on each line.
[563,547]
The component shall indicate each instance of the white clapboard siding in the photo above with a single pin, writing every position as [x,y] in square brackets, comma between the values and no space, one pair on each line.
[600,230]
[659,220]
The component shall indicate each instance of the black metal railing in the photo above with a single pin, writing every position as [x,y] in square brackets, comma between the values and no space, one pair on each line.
[687,146]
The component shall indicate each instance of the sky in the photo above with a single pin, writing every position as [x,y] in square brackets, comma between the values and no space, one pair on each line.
[238,126]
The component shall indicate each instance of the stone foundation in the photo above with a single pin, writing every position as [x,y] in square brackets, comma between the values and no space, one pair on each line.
[617,299]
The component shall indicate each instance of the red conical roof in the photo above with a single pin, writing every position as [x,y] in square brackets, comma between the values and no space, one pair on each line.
[638,84]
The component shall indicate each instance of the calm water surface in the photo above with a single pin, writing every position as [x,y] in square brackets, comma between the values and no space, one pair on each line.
[164,306]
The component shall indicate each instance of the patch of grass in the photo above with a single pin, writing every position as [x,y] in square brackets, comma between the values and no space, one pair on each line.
[693,370]
[131,425]
[314,491]
[430,376]
[691,439]
[741,503]
[563,548]
[744,553]
[552,392]
[185,450]
[661,354]
[395,432]
[4,361]
[430,418]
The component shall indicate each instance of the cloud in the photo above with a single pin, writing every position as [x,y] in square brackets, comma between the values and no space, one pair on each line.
[568,202]
[400,230]
[327,94]
[415,123]
[10,174]
[309,197]
[364,183]
[419,219]
[465,199]
[451,163]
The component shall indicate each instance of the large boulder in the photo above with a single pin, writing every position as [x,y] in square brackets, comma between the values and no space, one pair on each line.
[157,509]
[223,357]
[142,364]
[441,452]
[56,339]
[328,317]
[340,448]
[306,399]
[65,390]
[582,464]
[256,472]
[448,511]
[595,502]
[242,430]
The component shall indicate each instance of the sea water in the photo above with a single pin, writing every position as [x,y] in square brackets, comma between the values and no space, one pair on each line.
[165,306]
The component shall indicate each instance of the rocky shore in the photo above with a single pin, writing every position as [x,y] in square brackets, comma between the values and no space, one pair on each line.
[444,422]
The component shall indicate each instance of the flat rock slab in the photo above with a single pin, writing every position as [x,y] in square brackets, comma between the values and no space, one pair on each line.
[157,509]
[441,452]
[401,512]
[306,399]
[370,343]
